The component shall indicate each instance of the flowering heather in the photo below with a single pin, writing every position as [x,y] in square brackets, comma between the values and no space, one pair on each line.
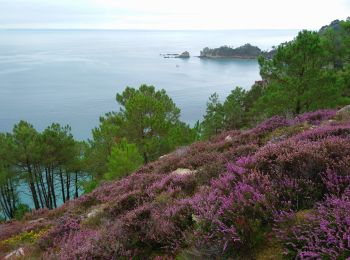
[286,181]
[324,132]
[233,212]
[77,245]
[316,117]
[269,125]
[322,234]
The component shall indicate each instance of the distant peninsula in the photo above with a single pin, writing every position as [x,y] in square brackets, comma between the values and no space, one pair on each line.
[247,51]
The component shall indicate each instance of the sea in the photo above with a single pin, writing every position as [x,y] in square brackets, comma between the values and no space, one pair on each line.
[72,76]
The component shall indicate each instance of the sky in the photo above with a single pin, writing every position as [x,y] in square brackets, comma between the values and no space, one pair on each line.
[171,14]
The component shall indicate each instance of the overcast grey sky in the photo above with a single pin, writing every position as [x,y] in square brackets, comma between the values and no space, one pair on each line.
[178,14]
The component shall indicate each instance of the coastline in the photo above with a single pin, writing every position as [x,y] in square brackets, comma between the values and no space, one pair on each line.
[236,57]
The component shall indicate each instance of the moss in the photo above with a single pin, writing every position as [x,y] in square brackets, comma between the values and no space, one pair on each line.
[302,215]
[23,238]
[163,198]
[270,252]
[285,132]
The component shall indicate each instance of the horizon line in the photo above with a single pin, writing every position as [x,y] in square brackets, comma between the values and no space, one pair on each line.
[145,29]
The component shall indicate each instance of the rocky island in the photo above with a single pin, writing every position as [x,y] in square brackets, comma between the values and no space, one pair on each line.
[183,55]
[246,51]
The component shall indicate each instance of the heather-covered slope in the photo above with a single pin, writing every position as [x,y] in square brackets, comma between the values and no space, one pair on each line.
[279,190]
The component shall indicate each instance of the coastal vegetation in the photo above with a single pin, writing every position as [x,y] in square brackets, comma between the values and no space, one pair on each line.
[246,51]
[279,188]
[264,175]
[48,164]
[306,74]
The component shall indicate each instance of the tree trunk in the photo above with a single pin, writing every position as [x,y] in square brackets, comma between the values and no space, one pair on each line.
[68,185]
[8,199]
[36,173]
[43,188]
[53,188]
[145,158]
[62,186]
[32,187]
[49,193]
[76,185]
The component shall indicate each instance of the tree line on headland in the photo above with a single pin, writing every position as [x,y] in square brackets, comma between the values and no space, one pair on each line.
[246,51]
[308,73]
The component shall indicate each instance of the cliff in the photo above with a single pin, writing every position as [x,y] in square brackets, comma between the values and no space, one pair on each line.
[282,186]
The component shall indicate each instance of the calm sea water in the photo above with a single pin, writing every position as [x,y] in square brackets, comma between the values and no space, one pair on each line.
[72,77]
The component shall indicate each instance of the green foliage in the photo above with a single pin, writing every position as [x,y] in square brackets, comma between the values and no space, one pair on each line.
[235,113]
[26,140]
[180,135]
[104,137]
[8,177]
[251,117]
[213,121]
[234,109]
[90,185]
[299,78]
[124,159]
[57,144]
[21,210]
[246,51]
[48,163]
[148,117]
[309,73]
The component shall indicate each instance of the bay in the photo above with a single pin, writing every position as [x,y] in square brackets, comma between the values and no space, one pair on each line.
[72,76]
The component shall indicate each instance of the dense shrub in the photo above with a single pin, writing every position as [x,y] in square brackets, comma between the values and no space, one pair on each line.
[322,234]
[316,117]
[232,197]
[233,213]
[320,133]
[77,245]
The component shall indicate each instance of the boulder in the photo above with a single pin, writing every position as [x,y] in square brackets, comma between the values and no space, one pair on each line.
[228,138]
[179,152]
[344,113]
[163,156]
[183,171]
[36,221]
[97,210]
[93,213]
[14,254]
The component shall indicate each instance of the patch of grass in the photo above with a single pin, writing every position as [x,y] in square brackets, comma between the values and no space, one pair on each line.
[272,251]
[94,222]
[163,198]
[285,132]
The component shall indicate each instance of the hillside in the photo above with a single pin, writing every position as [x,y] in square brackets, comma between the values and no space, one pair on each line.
[279,189]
